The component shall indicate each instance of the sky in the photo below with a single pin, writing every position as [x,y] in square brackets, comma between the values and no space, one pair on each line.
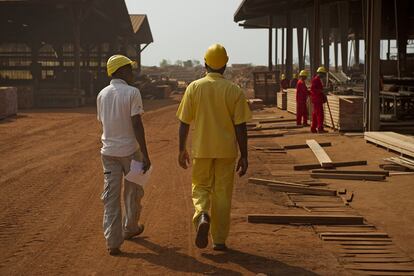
[184,29]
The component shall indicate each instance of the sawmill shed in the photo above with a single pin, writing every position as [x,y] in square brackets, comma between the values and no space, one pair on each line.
[55,52]
[386,86]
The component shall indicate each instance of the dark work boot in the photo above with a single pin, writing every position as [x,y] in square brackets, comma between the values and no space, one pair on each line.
[203,228]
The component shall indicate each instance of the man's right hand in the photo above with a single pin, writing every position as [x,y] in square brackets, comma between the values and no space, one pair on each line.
[146,164]
[184,159]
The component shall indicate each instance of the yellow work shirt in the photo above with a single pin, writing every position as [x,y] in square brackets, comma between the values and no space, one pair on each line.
[215,105]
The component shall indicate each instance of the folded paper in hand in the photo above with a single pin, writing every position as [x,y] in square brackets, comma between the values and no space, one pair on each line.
[136,173]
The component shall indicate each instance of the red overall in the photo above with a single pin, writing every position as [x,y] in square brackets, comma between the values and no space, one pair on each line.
[301,98]
[317,97]
[284,84]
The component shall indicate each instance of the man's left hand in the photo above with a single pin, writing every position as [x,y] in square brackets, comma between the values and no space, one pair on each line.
[242,166]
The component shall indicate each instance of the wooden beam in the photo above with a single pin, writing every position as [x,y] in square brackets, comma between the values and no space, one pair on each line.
[265,135]
[305,146]
[386,173]
[288,188]
[266,182]
[382,267]
[335,164]
[306,219]
[359,235]
[320,154]
[371,177]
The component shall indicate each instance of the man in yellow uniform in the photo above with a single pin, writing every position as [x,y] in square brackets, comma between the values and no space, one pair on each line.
[219,111]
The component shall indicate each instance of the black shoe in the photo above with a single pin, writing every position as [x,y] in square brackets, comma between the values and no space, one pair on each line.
[114,251]
[203,228]
[220,247]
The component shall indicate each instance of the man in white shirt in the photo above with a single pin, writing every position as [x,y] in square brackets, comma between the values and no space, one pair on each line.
[119,109]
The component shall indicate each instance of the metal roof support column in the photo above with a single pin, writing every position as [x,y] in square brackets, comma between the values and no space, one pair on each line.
[356,52]
[76,14]
[289,46]
[276,49]
[343,28]
[283,51]
[270,43]
[299,32]
[372,65]
[401,23]
[336,53]
[316,37]
[325,35]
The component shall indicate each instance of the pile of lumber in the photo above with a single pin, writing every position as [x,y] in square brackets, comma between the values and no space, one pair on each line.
[291,100]
[255,104]
[25,98]
[402,161]
[282,100]
[8,101]
[59,97]
[397,142]
[346,112]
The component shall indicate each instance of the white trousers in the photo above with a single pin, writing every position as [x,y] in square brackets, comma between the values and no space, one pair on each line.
[113,225]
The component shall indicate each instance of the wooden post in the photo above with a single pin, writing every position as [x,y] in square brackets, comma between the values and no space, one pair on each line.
[300,48]
[372,65]
[325,35]
[270,43]
[401,22]
[276,49]
[289,47]
[336,53]
[356,52]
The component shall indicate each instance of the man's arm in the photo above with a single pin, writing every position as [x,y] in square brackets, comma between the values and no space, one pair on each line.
[241,135]
[183,157]
[140,136]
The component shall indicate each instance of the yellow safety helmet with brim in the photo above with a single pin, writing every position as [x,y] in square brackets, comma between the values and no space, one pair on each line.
[283,77]
[117,61]
[303,73]
[321,70]
[216,56]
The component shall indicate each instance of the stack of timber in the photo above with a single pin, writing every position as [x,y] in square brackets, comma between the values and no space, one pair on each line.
[59,97]
[291,100]
[25,97]
[282,100]
[402,161]
[255,104]
[397,142]
[8,101]
[365,250]
[346,112]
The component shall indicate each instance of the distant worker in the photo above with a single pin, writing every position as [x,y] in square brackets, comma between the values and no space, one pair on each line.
[219,111]
[294,81]
[302,94]
[318,99]
[284,82]
[119,108]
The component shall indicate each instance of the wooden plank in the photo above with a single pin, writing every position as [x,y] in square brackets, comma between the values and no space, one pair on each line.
[265,135]
[335,164]
[391,140]
[338,239]
[389,273]
[379,260]
[320,154]
[258,128]
[276,120]
[301,190]
[390,255]
[369,247]
[266,182]
[305,146]
[321,204]
[382,172]
[371,243]
[381,267]
[361,234]
[370,177]
[373,251]
[305,219]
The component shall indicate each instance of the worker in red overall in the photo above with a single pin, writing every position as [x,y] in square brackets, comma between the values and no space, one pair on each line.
[284,82]
[302,94]
[318,99]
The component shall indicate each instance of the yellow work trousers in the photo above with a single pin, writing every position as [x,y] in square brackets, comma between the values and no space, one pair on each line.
[212,186]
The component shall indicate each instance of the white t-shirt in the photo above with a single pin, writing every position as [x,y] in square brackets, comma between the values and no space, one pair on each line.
[116,104]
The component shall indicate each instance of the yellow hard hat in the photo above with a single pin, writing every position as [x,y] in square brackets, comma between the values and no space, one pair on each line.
[303,73]
[216,56]
[321,70]
[117,61]
[283,77]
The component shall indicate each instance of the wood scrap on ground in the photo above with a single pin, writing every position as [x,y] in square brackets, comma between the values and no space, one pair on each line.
[265,135]
[394,141]
[305,219]
[382,172]
[335,165]
[370,177]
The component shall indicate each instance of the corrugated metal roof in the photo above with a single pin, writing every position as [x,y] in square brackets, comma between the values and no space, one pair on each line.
[141,27]
[136,21]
